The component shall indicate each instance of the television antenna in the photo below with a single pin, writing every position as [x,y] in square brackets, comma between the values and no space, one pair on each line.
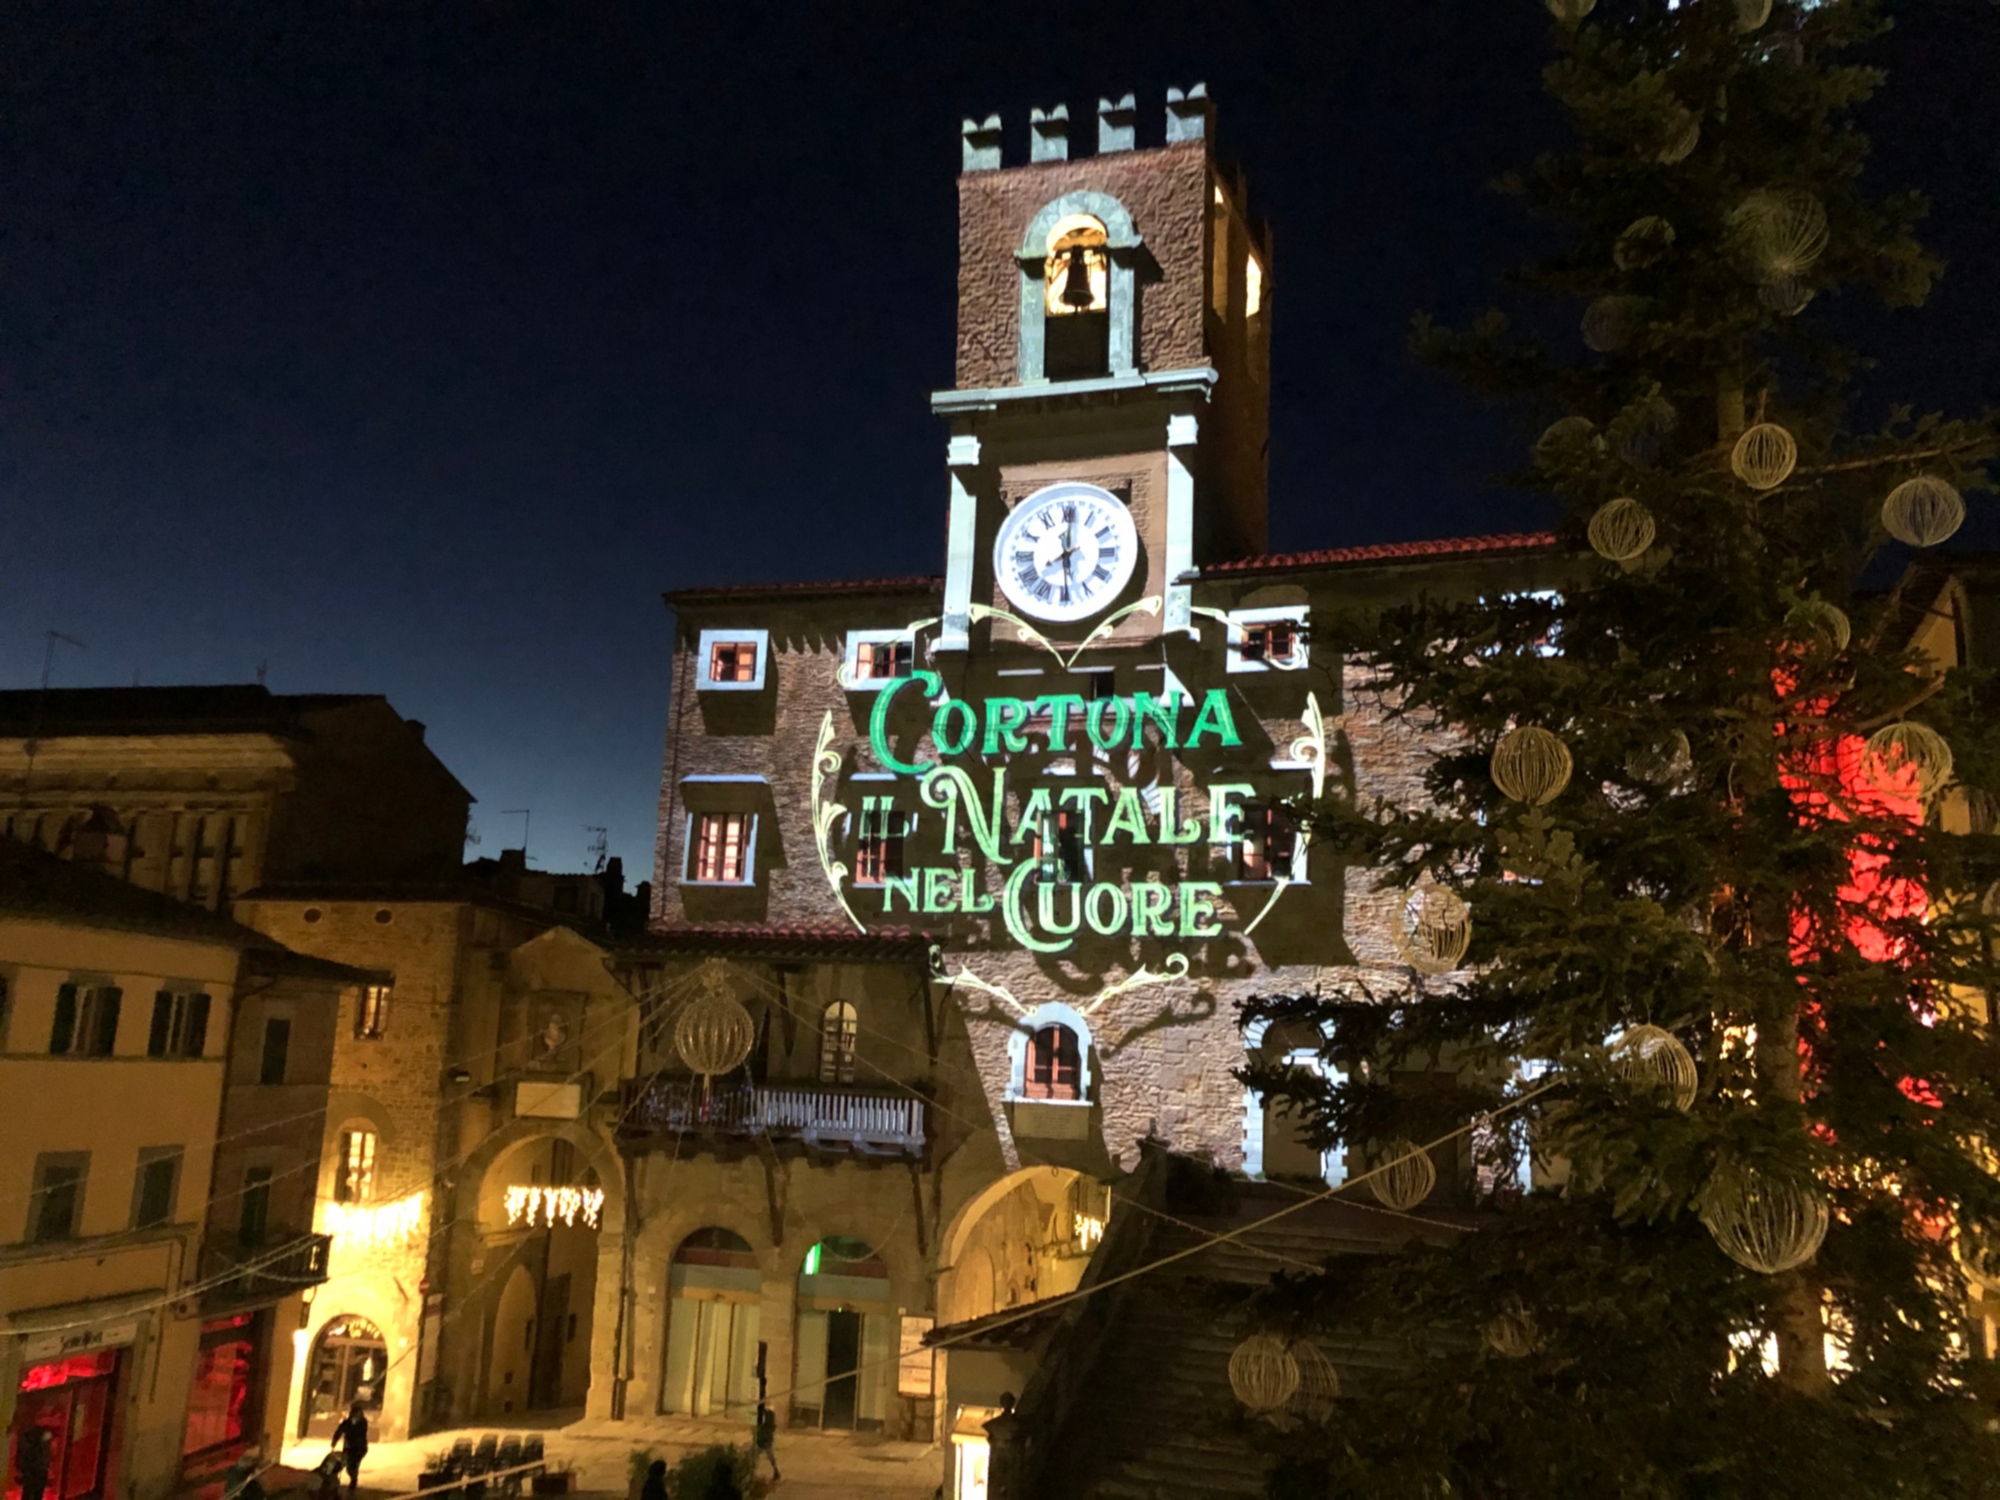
[599,847]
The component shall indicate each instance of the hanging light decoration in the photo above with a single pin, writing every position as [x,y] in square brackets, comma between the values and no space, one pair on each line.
[1611,323]
[1664,761]
[1764,1223]
[1436,929]
[1621,530]
[1319,1382]
[1752,14]
[1406,1180]
[1764,456]
[1899,747]
[1263,1373]
[1512,1335]
[1562,435]
[1787,296]
[1643,242]
[1815,622]
[1652,1057]
[1678,139]
[1531,765]
[714,1033]
[1569,12]
[1780,231]
[1923,511]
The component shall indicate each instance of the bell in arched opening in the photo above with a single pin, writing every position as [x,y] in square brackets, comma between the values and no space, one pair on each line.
[1076,328]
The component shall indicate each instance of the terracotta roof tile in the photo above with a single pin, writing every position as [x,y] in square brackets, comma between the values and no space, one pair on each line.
[1333,557]
[884,943]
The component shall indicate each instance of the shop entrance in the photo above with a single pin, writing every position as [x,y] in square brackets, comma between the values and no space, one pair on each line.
[713,1318]
[72,1400]
[846,1340]
[349,1363]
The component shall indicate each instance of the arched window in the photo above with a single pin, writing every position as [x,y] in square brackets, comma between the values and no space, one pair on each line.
[1078,290]
[1055,1065]
[839,1028]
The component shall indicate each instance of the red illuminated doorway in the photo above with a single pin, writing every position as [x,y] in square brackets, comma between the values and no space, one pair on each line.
[350,1360]
[73,1400]
[223,1405]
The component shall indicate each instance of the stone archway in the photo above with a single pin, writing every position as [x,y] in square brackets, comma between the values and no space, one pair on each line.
[1023,1239]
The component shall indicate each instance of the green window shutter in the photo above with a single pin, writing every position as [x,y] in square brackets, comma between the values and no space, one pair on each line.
[104,1022]
[62,1036]
[163,1025]
[197,1026]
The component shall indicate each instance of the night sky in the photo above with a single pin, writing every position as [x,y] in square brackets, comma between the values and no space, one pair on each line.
[416,348]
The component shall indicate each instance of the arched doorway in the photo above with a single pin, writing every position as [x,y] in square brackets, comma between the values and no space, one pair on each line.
[350,1360]
[541,1203]
[715,1288]
[846,1372]
[1026,1238]
[507,1370]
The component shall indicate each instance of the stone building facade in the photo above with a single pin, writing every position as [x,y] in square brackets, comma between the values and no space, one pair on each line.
[1028,828]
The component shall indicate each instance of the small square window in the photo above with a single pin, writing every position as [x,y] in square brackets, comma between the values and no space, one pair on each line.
[1267,844]
[875,657]
[371,1014]
[732,660]
[55,1206]
[1267,640]
[720,848]
[1054,1065]
[884,832]
[154,1186]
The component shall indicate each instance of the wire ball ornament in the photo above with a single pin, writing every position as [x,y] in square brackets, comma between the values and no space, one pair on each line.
[1896,750]
[1531,765]
[1923,511]
[1319,1383]
[1651,1057]
[1405,1179]
[1679,138]
[1621,530]
[1752,14]
[1787,296]
[1764,456]
[1436,929]
[1561,438]
[1764,1223]
[1780,231]
[1814,622]
[1663,761]
[1263,1373]
[1643,242]
[1644,428]
[714,1032]
[1512,1334]
[1570,12]
[1611,323]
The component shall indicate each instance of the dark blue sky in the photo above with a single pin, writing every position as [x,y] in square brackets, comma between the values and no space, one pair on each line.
[415,348]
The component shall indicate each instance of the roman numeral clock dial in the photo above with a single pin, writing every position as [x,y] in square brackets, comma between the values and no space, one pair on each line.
[1066,552]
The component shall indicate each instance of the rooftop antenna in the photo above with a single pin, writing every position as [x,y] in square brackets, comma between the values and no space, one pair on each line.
[41,704]
[526,816]
[596,850]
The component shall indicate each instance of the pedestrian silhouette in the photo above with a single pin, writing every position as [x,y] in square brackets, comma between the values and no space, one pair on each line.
[351,1438]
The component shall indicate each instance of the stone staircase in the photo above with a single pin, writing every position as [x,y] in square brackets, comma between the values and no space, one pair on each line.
[1156,1419]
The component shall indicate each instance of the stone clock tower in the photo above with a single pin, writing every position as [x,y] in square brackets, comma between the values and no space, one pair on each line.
[1109,417]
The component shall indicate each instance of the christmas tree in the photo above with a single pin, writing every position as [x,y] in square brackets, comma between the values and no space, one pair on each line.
[1710,825]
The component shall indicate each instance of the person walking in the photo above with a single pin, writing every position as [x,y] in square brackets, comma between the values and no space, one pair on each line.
[351,1438]
[31,1461]
[767,1440]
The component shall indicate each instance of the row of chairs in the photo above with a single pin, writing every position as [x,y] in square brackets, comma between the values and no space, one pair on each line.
[491,1454]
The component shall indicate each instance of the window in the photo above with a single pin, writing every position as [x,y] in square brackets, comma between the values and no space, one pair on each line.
[277,1047]
[1268,640]
[354,1172]
[732,660]
[371,1014]
[884,830]
[839,1030]
[86,1023]
[56,1203]
[1055,1065]
[153,1186]
[1077,275]
[253,1209]
[1268,841]
[878,656]
[1059,849]
[722,847]
[180,1025]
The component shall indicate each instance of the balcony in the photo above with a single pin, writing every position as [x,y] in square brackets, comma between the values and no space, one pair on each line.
[820,1119]
[236,1275]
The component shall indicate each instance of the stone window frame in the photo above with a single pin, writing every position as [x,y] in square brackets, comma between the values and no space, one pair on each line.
[705,650]
[1052,1013]
[1122,245]
[1333,1160]
[1239,619]
[174,1158]
[46,1163]
[691,847]
[850,667]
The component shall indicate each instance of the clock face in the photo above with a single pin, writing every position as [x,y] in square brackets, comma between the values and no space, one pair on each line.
[1065,552]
